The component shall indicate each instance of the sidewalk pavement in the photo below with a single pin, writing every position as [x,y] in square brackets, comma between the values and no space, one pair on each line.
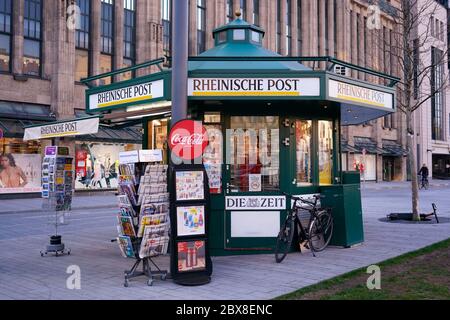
[372,185]
[80,201]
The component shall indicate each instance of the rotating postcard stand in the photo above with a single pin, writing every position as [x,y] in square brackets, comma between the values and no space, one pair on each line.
[57,180]
[189,213]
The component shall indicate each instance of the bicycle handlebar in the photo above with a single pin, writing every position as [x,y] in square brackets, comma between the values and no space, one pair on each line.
[317,197]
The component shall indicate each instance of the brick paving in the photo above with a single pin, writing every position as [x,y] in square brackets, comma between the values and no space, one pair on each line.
[26,275]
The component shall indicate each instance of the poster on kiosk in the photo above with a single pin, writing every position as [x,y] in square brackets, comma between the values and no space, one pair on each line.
[190,205]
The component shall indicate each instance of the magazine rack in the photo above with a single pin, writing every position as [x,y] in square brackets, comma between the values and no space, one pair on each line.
[144,218]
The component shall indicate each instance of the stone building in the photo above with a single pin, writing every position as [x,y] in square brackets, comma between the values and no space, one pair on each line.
[45,51]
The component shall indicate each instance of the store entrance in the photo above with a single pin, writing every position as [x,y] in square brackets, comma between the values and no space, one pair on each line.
[388,168]
[252,182]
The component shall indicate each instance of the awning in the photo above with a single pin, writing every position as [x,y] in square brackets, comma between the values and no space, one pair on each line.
[392,148]
[345,147]
[25,111]
[73,127]
[368,145]
[14,128]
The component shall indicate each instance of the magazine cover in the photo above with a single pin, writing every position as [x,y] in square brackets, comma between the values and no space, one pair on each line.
[127,189]
[126,224]
[127,211]
[126,246]
[151,220]
[191,220]
[191,256]
[189,185]
[153,246]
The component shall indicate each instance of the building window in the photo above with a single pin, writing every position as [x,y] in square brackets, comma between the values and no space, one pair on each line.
[107,32]
[201,26]
[167,28]
[81,64]
[129,37]
[230,13]
[299,27]
[82,41]
[32,37]
[243,5]
[105,66]
[278,41]
[335,28]
[288,27]
[256,12]
[416,63]
[5,35]
[437,103]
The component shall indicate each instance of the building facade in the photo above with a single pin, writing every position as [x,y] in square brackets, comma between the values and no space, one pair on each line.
[47,47]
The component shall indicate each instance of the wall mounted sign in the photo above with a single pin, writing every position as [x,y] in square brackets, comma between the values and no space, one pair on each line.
[253,87]
[143,92]
[355,94]
[62,129]
[255,203]
[188,139]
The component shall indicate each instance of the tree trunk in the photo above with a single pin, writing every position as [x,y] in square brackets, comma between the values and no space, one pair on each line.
[413,167]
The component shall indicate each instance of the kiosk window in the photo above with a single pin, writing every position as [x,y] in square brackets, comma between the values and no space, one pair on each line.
[325,152]
[253,153]
[303,130]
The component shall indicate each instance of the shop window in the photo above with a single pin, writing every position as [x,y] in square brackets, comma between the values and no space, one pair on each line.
[157,136]
[303,131]
[213,155]
[20,166]
[325,152]
[253,153]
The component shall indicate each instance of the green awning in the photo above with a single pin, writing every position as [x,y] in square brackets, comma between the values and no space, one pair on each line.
[368,145]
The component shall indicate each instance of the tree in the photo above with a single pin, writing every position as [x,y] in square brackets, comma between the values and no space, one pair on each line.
[419,50]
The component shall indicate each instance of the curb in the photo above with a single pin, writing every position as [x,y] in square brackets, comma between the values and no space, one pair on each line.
[73,209]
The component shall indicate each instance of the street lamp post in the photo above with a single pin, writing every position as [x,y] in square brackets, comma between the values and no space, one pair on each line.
[179,60]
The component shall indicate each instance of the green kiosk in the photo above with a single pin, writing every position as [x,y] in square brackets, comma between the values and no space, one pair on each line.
[273,126]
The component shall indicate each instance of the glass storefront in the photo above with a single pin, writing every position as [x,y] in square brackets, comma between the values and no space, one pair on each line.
[96,164]
[254,153]
[20,166]
[303,134]
[325,152]
[157,136]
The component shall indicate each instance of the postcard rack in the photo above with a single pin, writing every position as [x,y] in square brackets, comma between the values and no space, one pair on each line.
[143,220]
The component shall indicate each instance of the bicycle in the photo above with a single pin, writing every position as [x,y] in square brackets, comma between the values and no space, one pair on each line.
[424,184]
[317,235]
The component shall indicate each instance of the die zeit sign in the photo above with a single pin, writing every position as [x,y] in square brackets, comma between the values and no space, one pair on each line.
[254,87]
[143,92]
[255,203]
[188,139]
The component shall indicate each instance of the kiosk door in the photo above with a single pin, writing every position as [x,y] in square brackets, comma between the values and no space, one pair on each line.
[253,201]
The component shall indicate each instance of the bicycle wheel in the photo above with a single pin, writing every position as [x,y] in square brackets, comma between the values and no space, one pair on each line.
[284,239]
[320,231]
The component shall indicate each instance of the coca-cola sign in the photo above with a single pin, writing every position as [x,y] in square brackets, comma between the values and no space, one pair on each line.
[188,139]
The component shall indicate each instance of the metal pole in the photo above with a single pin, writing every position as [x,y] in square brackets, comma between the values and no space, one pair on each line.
[179,59]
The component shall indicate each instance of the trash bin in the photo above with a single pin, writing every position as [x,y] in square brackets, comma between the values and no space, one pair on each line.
[351,177]
[345,201]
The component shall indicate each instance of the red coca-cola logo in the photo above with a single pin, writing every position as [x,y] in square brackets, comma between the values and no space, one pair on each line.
[188,139]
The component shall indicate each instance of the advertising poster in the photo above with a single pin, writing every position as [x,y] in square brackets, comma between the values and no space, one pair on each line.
[191,256]
[189,185]
[254,182]
[191,220]
[20,173]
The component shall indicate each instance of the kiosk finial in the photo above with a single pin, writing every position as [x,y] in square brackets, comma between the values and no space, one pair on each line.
[238,13]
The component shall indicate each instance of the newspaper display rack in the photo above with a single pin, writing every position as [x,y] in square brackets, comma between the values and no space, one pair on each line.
[143,219]
[57,191]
